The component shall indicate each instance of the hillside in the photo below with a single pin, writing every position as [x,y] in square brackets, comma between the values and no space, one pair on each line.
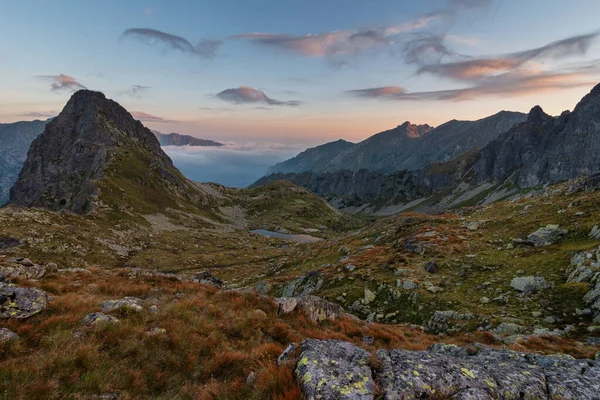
[311,159]
[14,142]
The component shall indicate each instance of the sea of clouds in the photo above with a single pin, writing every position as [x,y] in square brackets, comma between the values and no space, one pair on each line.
[234,164]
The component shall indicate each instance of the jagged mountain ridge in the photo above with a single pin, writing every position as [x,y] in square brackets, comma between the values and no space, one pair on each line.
[406,147]
[176,139]
[80,151]
[15,139]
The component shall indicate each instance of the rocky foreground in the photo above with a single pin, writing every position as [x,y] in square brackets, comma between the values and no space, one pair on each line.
[333,369]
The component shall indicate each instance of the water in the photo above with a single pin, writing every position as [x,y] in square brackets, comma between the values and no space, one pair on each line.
[295,238]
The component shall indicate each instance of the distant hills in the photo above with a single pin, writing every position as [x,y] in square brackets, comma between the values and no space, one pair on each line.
[15,139]
[176,139]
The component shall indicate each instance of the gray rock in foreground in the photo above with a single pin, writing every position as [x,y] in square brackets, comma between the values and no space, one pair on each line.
[19,302]
[332,369]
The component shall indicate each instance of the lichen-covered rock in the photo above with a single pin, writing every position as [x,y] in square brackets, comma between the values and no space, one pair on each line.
[304,285]
[97,318]
[6,335]
[19,302]
[334,369]
[126,303]
[546,236]
[316,308]
[585,267]
[529,283]
[444,321]
[22,268]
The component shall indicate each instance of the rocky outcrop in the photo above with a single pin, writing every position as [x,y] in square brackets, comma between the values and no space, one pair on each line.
[127,304]
[316,308]
[585,267]
[176,139]
[20,302]
[546,236]
[529,284]
[66,162]
[331,369]
[15,139]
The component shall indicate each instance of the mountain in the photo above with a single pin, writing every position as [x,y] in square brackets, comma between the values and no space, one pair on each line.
[95,152]
[311,159]
[15,139]
[546,149]
[175,139]
[406,147]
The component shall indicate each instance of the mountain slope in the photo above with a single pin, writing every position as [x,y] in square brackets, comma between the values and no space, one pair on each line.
[95,143]
[176,139]
[311,159]
[15,139]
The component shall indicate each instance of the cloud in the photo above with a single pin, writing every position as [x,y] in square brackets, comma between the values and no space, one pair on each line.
[206,48]
[44,115]
[511,84]
[63,82]
[247,95]
[482,67]
[378,92]
[135,91]
[145,117]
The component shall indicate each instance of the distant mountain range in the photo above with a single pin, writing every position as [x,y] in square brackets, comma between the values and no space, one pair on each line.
[457,163]
[15,139]
[176,139]
[406,147]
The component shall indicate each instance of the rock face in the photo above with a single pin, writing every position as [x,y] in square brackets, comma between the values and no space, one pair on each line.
[546,149]
[18,302]
[331,369]
[585,267]
[66,162]
[175,139]
[15,139]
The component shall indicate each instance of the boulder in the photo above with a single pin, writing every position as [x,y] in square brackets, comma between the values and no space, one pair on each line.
[97,318]
[432,267]
[18,302]
[126,304]
[304,285]
[6,335]
[334,369]
[22,268]
[529,284]
[546,236]
[369,296]
[207,278]
[316,308]
[595,233]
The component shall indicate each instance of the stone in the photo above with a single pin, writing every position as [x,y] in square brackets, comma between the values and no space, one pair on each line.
[207,278]
[529,284]
[549,320]
[334,369]
[285,356]
[435,289]
[432,267]
[19,270]
[259,314]
[251,378]
[406,284]
[595,233]
[18,302]
[546,236]
[506,328]
[304,285]
[350,267]
[98,318]
[484,300]
[6,335]
[126,304]
[369,296]
[263,287]
[536,314]
[155,332]
[316,308]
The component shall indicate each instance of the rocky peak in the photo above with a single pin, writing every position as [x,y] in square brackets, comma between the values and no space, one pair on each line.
[414,131]
[538,116]
[66,163]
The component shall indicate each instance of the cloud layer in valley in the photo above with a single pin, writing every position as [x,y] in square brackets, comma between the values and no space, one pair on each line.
[234,165]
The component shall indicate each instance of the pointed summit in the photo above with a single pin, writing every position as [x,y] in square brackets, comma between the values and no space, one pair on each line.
[95,150]
[538,116]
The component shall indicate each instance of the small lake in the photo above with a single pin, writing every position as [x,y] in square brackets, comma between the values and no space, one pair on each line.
[295,238]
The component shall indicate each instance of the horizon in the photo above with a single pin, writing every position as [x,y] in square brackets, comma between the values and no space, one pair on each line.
[221,71]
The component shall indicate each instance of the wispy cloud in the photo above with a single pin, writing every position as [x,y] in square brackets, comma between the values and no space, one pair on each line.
[378,92]
[248,95]
[135,91]
[63,83]
[145,117]
[206,48]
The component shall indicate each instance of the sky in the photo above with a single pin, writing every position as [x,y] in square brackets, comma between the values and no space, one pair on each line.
[290,74]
